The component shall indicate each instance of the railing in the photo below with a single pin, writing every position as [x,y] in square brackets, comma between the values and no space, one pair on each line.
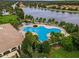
[10,55]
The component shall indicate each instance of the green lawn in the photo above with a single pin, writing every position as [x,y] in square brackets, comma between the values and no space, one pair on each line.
[12,19]
[64,54]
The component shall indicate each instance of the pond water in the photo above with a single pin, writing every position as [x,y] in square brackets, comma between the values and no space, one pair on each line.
[59,16]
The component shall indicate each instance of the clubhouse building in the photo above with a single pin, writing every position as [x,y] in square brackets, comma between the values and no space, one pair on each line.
[10,41]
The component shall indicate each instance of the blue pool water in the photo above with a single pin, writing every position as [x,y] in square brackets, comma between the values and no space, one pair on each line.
[41,31]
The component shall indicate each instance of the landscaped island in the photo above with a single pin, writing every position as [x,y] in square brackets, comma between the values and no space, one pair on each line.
[35,25]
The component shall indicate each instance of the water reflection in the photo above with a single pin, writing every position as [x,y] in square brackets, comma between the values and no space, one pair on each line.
[59,16]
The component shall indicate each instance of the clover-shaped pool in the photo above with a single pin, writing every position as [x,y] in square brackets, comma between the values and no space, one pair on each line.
[41,31]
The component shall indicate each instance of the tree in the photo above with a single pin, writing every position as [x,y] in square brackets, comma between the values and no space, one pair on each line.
[40,19]
[33,20]
[31,17]
[29,41]
[19,13]
[40,48]
[52,21]
[75,37]
[43,20]
[26,42]
[46,47]
[76,28]
[56,37]
[0,13]
[62,23]
[49,20]
[26,17]
[37,18]
[70,28]
[6,5]
[67,43]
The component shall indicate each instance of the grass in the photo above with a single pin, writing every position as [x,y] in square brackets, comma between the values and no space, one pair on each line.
[8,16]
[7,19]
[12,19]
[61,53]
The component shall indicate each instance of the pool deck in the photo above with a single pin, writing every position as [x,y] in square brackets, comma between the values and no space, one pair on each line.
[47,26]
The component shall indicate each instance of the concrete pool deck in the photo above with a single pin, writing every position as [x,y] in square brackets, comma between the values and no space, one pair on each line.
[47,26]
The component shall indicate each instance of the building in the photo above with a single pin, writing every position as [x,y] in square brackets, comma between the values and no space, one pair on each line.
[21,5]
[10,41]
[14,5]
[4,12]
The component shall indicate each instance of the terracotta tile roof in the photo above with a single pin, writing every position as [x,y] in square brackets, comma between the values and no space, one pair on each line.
[9,37]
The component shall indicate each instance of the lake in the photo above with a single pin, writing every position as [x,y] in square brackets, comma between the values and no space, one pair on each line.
[59,16]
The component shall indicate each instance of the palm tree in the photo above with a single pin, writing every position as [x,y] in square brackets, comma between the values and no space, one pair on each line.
[67,43]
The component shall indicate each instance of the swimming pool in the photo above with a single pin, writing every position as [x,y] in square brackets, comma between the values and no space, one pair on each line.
[41,31]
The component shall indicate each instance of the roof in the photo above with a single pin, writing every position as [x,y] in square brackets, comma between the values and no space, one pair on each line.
[9,37]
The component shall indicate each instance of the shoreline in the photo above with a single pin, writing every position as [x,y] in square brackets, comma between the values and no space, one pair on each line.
[51,9]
